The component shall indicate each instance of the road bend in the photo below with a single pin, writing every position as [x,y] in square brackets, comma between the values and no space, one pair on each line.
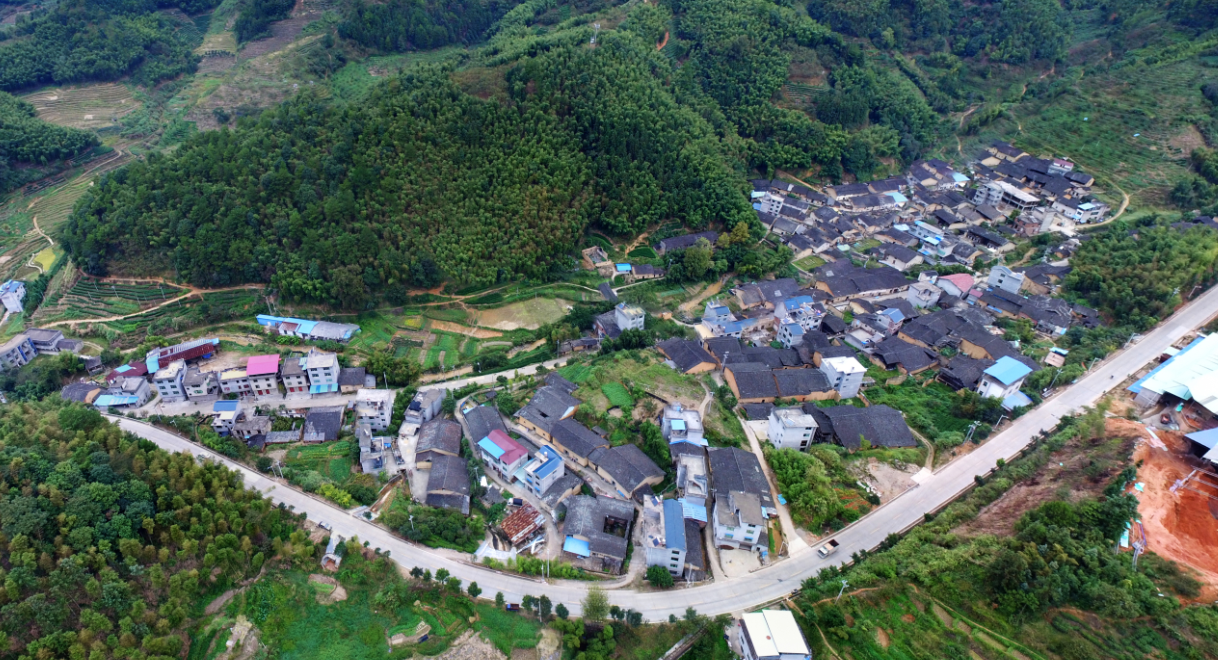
[774,581]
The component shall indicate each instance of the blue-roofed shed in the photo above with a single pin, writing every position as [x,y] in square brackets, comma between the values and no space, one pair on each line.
[576,547]
[622,268]
[224,406]
[1007,370]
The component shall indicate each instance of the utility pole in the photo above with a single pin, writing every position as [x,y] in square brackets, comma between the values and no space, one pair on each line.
[841,591]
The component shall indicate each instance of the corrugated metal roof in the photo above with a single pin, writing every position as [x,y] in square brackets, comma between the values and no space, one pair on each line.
[1008,370]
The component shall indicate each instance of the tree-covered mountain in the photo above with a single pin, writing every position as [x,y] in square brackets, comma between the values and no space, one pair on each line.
[108,541]
[325,200]
[99,40]
[26,140]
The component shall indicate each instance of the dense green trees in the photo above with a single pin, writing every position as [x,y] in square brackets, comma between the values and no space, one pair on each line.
[80,40]
[108,541]
[1139,277]
[24,139]
[1012,31]
[328,203]
[256,17]
[402,25]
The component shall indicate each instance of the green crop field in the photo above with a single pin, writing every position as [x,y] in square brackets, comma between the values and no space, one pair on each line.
[617,395]
[331,459]
[810,262]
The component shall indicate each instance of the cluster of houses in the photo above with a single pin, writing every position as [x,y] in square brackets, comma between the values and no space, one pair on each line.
[171,373]
[19,349]
[929,216]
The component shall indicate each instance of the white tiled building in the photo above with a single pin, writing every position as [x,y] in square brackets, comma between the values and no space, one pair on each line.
[374,408]
[845,374]
[169,381]
[791,428]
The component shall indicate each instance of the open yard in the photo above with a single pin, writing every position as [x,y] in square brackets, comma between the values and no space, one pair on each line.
[528,314]
[331,459]
[644,370]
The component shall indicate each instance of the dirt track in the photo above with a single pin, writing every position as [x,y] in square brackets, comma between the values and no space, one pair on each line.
[1179,526]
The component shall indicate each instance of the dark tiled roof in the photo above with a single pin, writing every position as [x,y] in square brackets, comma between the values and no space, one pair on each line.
[448,474]
[735,469]
[351,376]
[559,488]
[325,421]
[911,357]
[553,379]
[686,241]
[608,322]
[78,391]
[801,382]
[454,502]
[879,424]
[753,383]
[684,353]
[844,279]
[481,420]
[720,346]
[586,518]
[816,339]
[576,438]
[440,435]
[963,372]
[833,325]
[627,464]
[757,411]
[547,406]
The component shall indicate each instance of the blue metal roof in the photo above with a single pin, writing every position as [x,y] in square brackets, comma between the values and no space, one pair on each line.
[303,326]
[693,511]
[322,389]
[900,199]
[107,400]
[577,547]
[11,285]
[491,448]
[678,424]
[674,525]
[1017,399]
[553,460]
[623,268]
[737,326]
[1136,388]
[1008,370]
[1208,438]
[224,406]
[797,301]
[894,314]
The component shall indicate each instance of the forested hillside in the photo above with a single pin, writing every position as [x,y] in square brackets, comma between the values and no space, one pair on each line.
[401,25]
[325,200]
[108,542]
[92,40]
[24,140]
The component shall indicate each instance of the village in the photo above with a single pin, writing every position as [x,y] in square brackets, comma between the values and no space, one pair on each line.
[907,293]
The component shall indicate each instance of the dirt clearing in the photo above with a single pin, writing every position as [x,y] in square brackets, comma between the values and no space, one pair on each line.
[887,480]
[328,589]
[86,106]
[1179,525]
[476,333]
[527,314]
[1079,471]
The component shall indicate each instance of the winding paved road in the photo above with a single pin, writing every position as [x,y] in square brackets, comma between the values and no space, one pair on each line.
[770,583]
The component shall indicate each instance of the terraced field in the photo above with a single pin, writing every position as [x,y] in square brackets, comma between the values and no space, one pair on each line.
[89,298]
[85,106]
[54,206]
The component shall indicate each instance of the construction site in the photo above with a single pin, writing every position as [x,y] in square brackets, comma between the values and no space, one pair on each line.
[1177,479]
